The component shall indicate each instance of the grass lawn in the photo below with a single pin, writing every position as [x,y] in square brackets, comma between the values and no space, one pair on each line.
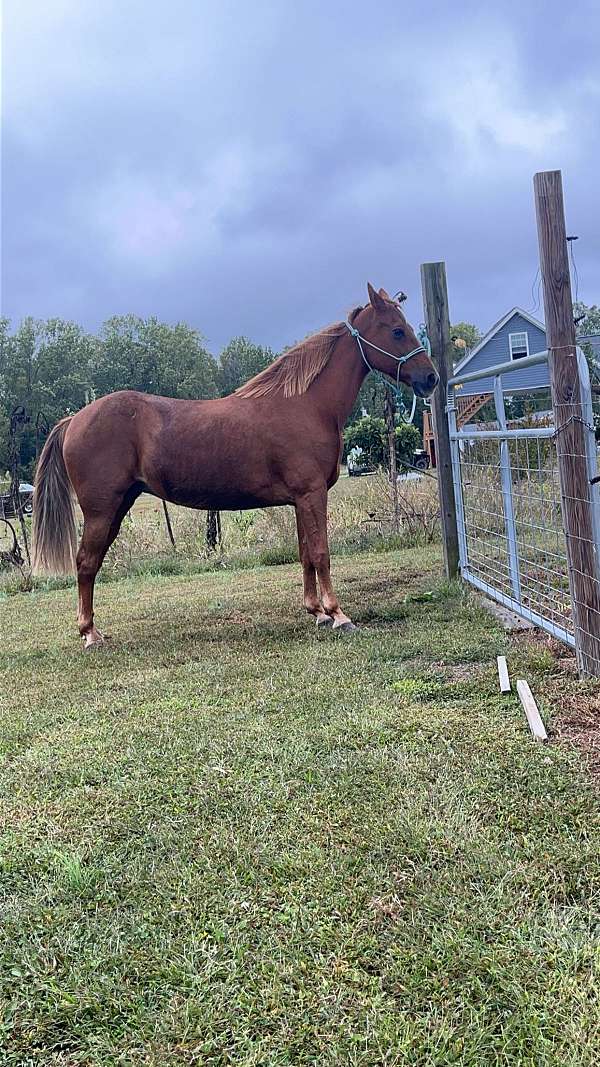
[230,839]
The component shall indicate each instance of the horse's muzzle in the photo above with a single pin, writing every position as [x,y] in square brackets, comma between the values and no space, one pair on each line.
[424,386]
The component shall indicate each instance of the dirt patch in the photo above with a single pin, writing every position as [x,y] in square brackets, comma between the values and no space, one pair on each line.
[576,719]
[575,701]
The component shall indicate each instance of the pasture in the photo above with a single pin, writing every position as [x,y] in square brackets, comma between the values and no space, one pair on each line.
[230,839]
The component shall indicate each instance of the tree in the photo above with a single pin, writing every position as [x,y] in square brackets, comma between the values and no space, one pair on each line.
[587,318]
[467,333]
[153,357]
[239,361]
[587,321]
[45,368]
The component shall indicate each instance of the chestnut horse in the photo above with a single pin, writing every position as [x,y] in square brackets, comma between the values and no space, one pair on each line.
[277,440]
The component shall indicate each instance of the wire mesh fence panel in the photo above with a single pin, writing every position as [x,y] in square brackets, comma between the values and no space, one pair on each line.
[511,506]
[537,577]
[484,523]
[541,545]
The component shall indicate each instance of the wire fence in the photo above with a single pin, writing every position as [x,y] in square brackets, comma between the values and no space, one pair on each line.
[528,536]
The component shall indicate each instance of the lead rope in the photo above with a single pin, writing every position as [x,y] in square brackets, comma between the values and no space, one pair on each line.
[424,346]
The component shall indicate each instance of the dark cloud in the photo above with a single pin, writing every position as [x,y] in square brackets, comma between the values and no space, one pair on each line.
[248,167]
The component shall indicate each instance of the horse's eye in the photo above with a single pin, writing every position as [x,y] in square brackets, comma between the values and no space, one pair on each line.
[399,332]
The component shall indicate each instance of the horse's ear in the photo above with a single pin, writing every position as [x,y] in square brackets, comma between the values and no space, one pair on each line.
[386,296]
[377,302]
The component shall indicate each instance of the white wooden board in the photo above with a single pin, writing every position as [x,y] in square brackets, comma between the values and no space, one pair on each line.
[531,710]
[503,675]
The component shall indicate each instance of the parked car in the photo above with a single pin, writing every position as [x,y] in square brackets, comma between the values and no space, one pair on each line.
[358,462]
[7,509]
[420,459]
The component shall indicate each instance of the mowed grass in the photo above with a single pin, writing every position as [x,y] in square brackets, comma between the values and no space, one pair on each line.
[230,839]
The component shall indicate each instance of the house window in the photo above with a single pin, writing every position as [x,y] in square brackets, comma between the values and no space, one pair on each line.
[518,344]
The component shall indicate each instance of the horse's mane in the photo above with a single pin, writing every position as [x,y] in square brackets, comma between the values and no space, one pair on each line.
[294,371]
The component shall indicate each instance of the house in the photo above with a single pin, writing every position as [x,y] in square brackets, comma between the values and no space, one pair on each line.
[515,335]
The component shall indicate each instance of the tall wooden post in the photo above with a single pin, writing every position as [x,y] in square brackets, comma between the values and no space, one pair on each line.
[435,305]
[576,498]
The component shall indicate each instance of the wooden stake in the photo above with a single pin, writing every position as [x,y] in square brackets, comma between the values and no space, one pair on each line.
[568,419]
[531,710]
[388,410]
[435,305]
[503,675]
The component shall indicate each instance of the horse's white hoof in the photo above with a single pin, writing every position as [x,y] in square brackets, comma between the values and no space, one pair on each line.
[93,640]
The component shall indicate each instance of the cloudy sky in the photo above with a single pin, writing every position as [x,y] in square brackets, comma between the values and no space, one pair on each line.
[247,166]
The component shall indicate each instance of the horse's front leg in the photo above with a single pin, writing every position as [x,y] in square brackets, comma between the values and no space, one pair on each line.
[311,510]
[311,598]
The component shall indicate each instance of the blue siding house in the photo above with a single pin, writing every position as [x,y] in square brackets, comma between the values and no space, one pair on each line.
[515,335]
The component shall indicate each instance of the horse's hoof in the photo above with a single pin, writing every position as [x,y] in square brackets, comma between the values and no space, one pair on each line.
[93,641]
[345,627]
[324,622]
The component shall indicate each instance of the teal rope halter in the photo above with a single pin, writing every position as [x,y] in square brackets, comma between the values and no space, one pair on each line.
[424,346]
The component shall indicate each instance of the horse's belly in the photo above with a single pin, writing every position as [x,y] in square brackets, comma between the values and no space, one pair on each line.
[205,499]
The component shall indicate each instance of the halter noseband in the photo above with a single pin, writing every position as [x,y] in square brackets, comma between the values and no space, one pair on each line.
[400,360]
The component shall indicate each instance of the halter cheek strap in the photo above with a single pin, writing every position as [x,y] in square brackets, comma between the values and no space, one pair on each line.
[400,360]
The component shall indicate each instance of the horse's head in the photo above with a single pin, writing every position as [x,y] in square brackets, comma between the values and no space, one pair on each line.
[383,324]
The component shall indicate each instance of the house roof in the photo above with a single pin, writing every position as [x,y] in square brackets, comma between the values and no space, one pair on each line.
[497,326]
[589,339]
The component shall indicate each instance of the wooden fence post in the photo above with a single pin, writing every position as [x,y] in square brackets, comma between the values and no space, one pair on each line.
[576,497]
[435,305]
[388,414]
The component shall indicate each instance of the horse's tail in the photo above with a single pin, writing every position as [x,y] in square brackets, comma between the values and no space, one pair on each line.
[53,534]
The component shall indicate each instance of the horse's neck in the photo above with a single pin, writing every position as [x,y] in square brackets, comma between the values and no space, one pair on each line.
[336,388]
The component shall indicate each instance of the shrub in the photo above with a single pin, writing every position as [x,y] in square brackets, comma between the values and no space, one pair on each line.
[369,434]
[408,439]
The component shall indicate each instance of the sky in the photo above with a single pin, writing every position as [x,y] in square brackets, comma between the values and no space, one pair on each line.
[247,167]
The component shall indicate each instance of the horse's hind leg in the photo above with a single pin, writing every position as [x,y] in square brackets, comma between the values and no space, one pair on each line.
[99,532]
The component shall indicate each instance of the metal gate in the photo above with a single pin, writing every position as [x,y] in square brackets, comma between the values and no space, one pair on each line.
[511,533]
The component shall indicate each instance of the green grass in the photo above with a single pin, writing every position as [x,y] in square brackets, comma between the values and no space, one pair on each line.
[230,839]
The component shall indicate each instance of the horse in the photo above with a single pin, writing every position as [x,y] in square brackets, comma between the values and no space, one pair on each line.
[277,440]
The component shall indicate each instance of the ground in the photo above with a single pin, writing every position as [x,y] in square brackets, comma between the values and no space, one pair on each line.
[230,839]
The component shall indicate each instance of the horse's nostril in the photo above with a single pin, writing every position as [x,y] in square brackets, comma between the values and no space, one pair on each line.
[432,380]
